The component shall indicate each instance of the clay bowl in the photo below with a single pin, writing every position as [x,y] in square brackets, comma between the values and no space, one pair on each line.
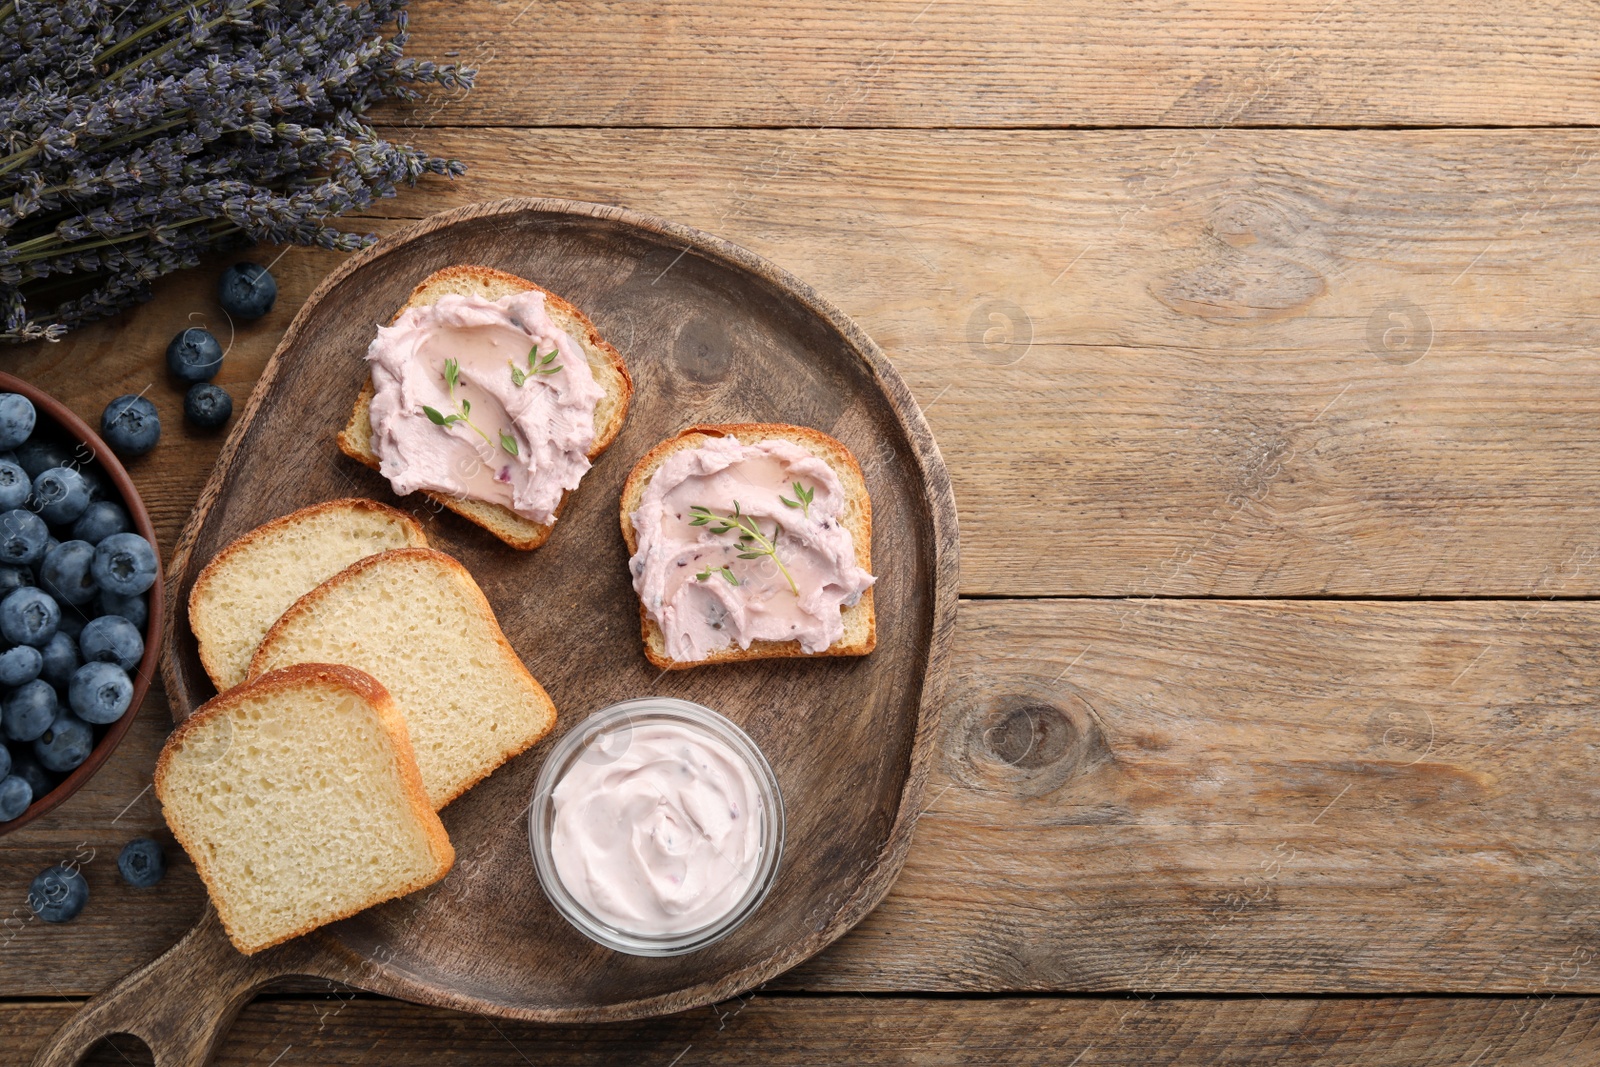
[58,422]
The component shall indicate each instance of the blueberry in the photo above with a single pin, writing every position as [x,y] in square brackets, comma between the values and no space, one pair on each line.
[23,537]
[130,425]
[59,658]
[247,291]
[207,406]
[13,577]
[112,639]
[29,616]
[102,519]
[5,761]
[50,544]
[194,355]
[38,456]
[58,894]
[65,745]
[133,608]
[100,692]
[71,624]
[66,574]
[60,495]
[24,766]
[17,417]
[142,863]
[28,712]
[19,666]
[124,564]
[15,796]
[15,485]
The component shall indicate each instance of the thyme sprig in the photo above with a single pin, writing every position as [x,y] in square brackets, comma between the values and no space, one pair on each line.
[803,499]
[463,412]
[709,571]
[753,543]
[537,364]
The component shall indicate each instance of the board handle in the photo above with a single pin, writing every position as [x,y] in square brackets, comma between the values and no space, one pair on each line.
[180,1004]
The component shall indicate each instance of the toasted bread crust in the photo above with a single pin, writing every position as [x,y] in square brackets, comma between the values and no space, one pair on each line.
[355,440]
[309,602]
[369,690]
[197,592]
[826,448]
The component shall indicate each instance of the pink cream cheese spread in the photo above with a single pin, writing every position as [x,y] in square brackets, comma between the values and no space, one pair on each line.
[666,838]
[485,400]
[707,586]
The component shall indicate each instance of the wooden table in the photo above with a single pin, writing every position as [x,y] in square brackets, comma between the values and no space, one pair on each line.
[1261,342]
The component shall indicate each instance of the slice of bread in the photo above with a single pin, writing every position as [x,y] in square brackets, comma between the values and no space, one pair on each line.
[860,624]
[415,620]
[299,801]
[244,589]
[605,362]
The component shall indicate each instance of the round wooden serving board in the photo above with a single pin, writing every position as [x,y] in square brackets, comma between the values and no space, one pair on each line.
[711,334]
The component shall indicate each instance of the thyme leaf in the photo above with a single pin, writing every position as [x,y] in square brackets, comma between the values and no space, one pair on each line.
[803,499]
[538,364]
[452,378]
[438,418]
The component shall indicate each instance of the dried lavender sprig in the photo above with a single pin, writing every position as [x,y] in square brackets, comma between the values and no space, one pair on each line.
[205,122]
[156,96]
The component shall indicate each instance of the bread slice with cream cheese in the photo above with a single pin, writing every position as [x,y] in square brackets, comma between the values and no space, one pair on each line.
[860,623]
[605,362]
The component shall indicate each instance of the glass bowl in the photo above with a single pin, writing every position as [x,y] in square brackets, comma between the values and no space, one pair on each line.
[603,737]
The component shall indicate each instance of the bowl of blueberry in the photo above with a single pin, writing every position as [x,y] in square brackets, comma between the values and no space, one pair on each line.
[80,602]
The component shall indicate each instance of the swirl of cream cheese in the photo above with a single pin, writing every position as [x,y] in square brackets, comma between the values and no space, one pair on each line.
[663,839]
[519,434]
[678,567]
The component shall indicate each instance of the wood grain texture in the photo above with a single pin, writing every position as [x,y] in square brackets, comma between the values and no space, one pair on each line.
[1254,797]
[485,937]
[916,63]
[1415,1032]
[126,355]
[179,1005]
[1467,474]
[1177,414]
[1248,363]
[1213,796]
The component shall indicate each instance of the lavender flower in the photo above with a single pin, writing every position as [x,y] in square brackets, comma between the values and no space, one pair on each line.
[137,135]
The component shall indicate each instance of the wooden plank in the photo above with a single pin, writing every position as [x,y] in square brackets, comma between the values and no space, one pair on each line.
[892,1030]
[1219,796]
[1244,797]
[1206,389]
[922,63]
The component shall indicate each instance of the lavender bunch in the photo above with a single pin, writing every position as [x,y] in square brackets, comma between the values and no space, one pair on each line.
[136,135]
